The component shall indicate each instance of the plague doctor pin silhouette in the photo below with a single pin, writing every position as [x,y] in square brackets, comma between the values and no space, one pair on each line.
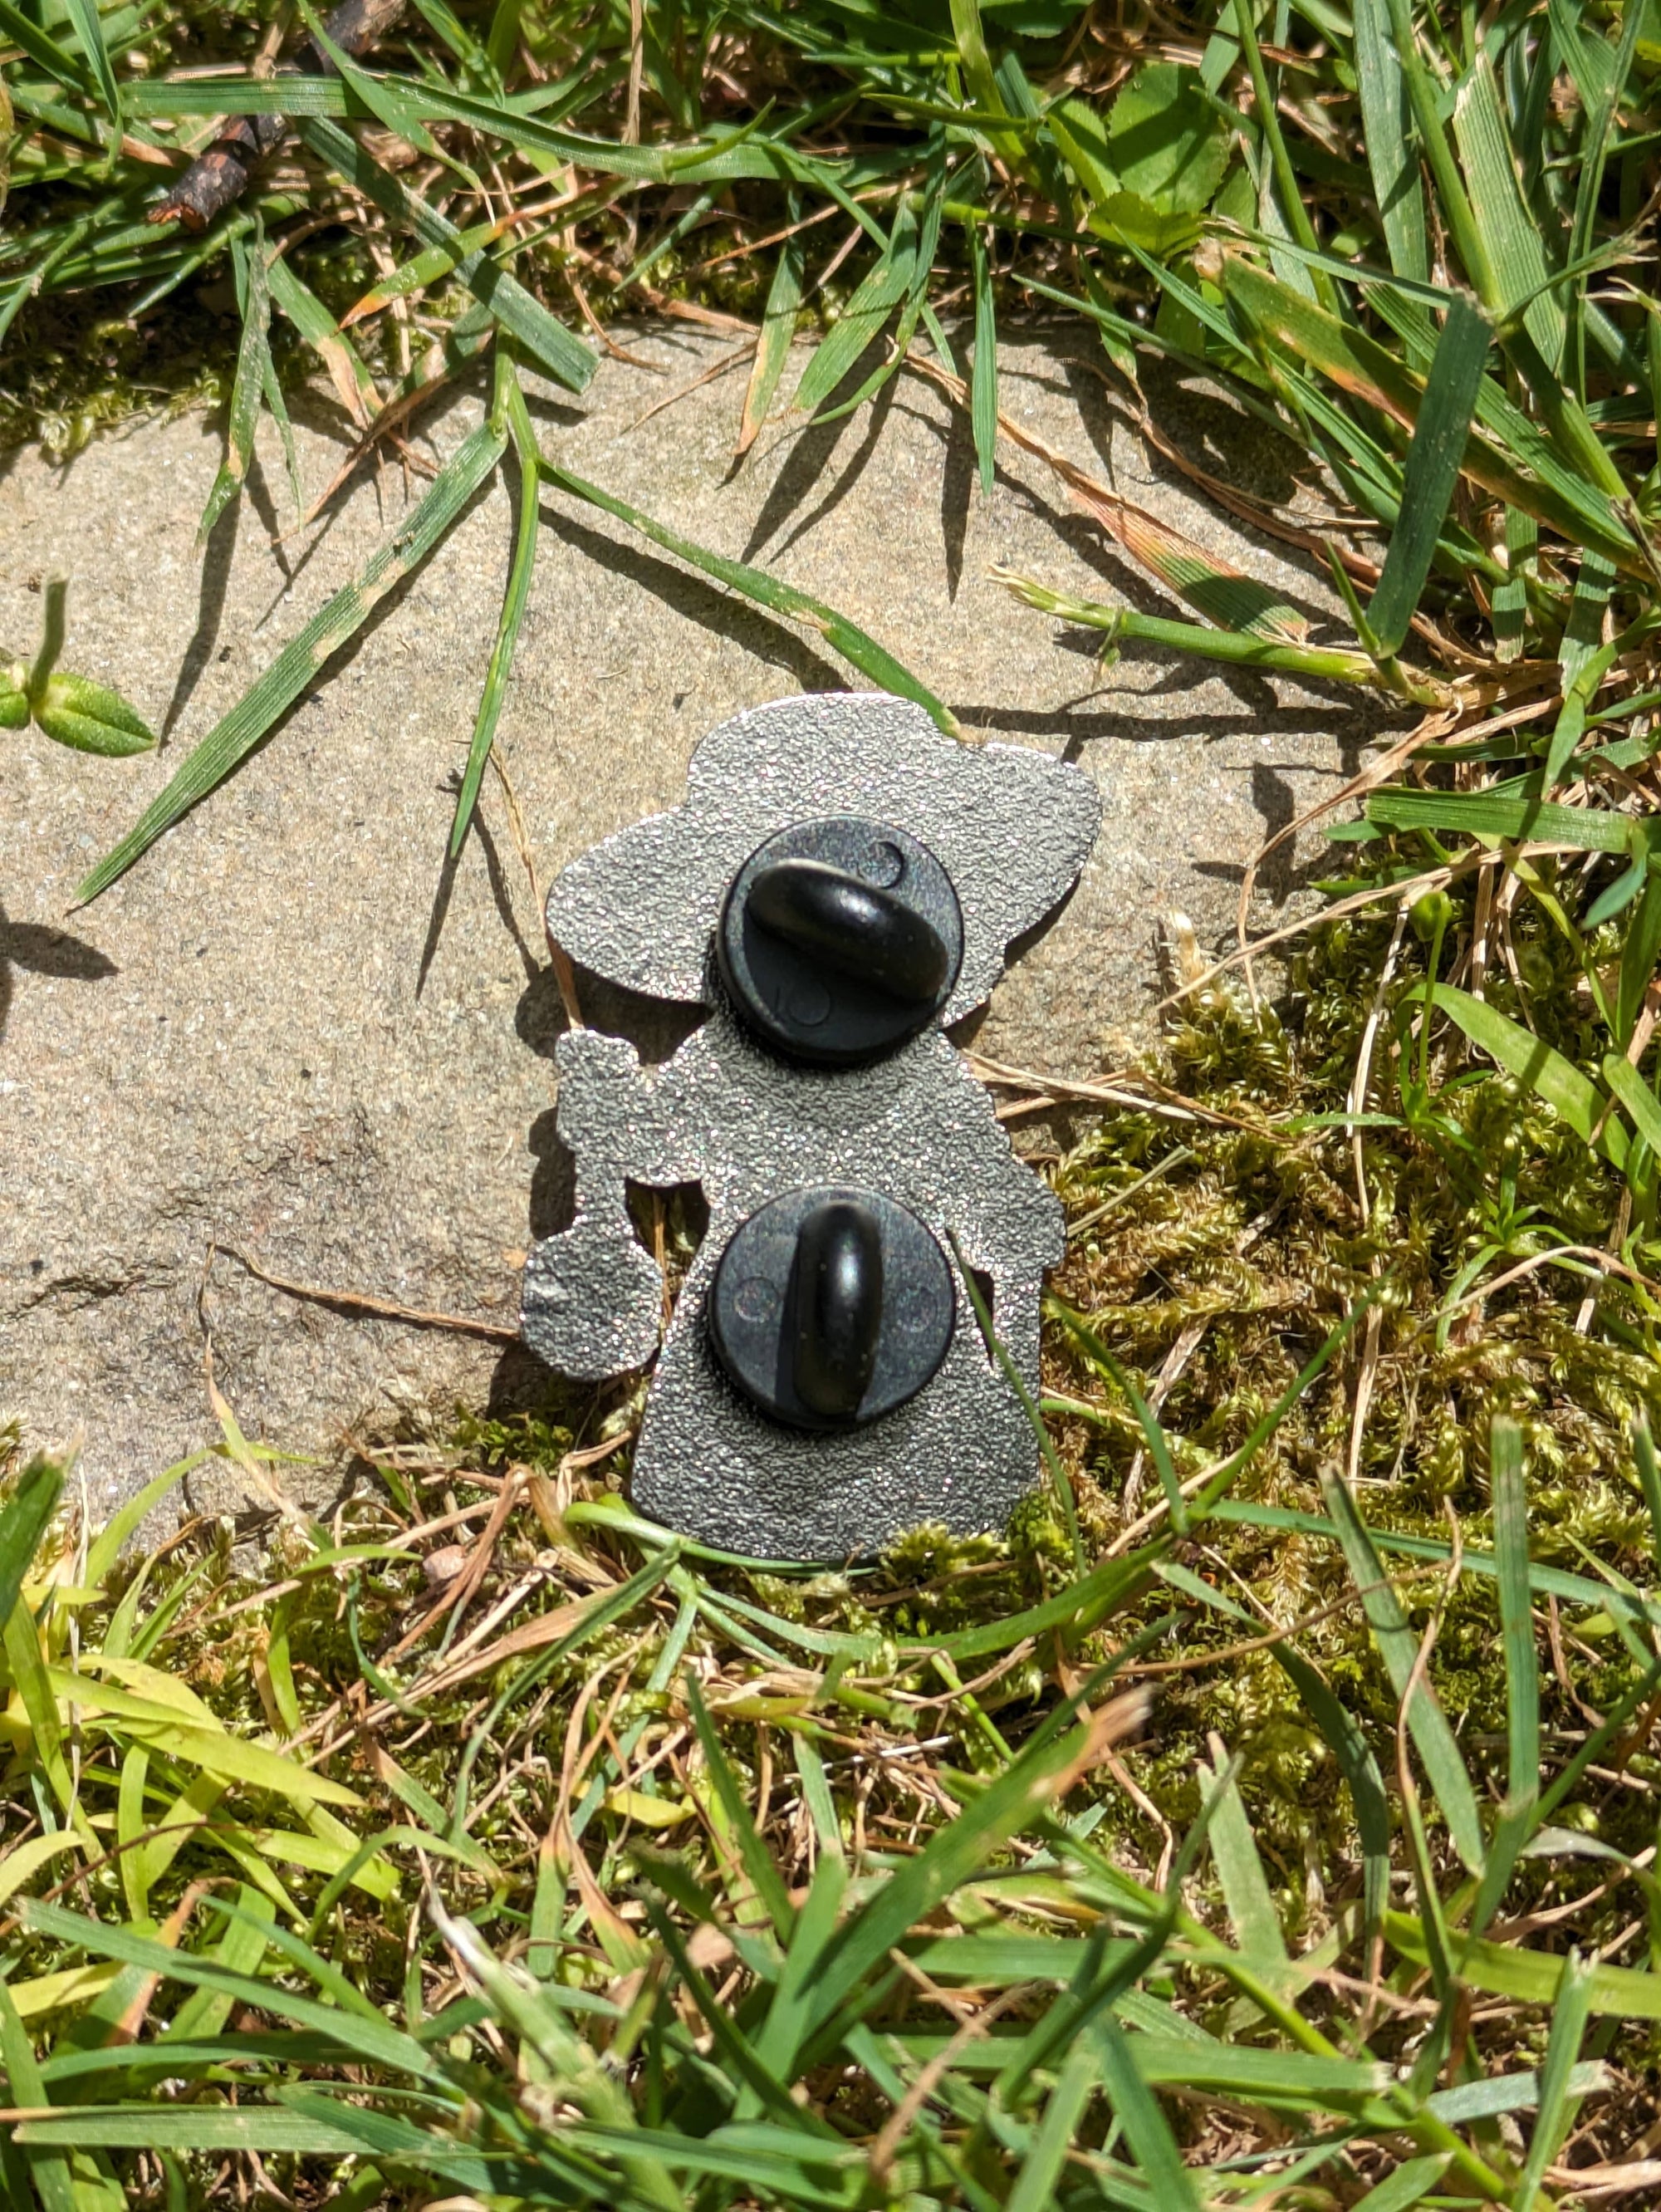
[840,884]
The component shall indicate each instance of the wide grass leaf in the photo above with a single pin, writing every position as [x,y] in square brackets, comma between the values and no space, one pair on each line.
[875,298]
[983,399]
[361,2036]
[195,2126]
[167,1730]
[1574,1097]
[48,2166]
[1635,1095]
[1530,1976]
[1485,814]
[1510,230]
[1386,118]
[1245,1885]
[1432,470]
[340,357]
[27,1514]
[251,720]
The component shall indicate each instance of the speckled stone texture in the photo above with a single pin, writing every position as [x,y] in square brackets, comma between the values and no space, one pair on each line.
[292,1029]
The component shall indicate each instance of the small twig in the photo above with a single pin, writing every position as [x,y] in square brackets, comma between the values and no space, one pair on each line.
[565,976]
[377,1309]
[222,174]
[1138,1091]
[897,2126]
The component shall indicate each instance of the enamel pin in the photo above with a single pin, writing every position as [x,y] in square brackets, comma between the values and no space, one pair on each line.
[841,886]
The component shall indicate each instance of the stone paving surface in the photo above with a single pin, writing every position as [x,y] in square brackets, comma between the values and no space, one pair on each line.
[290,1029]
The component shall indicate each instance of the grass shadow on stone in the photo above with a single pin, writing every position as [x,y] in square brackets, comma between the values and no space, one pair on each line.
[44,951]
[704,604]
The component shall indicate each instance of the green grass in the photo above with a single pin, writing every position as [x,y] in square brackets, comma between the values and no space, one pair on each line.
[1295,1849]
[1251,1864]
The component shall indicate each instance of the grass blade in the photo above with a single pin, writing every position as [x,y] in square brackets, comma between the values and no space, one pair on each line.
[1409,2185]
[1510,232]
[23,1523]
[1599,112]
[18,30]
[347,372]
[1386,118]
[512,408]
[193,2127]
[1485,814]
[1239,1870]
[89,30]
[1635,1095]
[1432,470]
[1557,2100]
[983,399]
[845,637]
[1012,1375]
[253,367]
[1052,2138]
[1147,2130]
[252,717]
[1571,1095]
[48,2166]
[1398,1648]
[772,346]
[1517,1817]
[1360,1768]
[875,298]
[371,2040]
[765,1878]
[544,337]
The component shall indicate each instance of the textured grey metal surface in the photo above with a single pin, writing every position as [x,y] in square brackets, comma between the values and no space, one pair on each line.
[1013,829]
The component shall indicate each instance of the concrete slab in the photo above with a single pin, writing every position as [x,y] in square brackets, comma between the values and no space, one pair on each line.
[291,1029]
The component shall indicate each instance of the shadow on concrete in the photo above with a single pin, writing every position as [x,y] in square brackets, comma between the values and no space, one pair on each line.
[43,951]
[1080,721]
[501,892]
[217,558]
[728,617]
[958,476]
[810,459]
